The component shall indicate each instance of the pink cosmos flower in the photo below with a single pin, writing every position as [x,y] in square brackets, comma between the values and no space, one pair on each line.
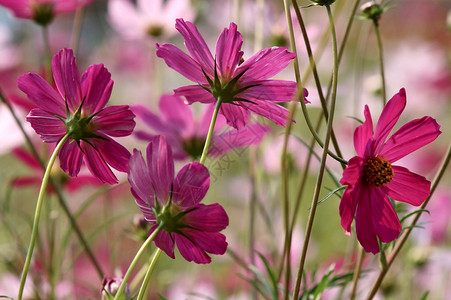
[148,18]
[78,108]
[187,136]
[372,178]
[42,11]
[243,87]
[175,203]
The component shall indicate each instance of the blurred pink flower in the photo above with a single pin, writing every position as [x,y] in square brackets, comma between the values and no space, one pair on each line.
[187,136]
[372,179]
[148,18]
[243,87]
[42,11]
[175,203]
[79,109]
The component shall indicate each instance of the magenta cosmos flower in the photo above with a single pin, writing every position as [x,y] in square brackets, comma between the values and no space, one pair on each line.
[372,178]
[42,11]
[242,87]
[175,203]
[78,108]
[186,136]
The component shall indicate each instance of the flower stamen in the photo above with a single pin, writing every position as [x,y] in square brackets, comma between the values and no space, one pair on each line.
[377,171]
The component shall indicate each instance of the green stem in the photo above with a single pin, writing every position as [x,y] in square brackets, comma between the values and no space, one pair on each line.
[34,231]
[381,61]
[357,271]
[76,30]
[138,255]
[210,131]
[47,54]
[323,158]
[145,284]
[402,240]
[57,190]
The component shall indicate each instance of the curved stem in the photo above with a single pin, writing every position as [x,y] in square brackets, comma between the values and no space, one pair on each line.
[323,158]
[357,271]
[138,255]
[210,131]
[37,215]
[402,240]
[145,284]
[381,62]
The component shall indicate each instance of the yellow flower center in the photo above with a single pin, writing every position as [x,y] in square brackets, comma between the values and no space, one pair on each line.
[377,171]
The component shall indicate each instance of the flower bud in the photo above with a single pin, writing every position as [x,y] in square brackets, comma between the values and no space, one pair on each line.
[323,2]
[111,285]
[372,11]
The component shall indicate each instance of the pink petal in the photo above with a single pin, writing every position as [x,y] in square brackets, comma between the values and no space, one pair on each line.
[228,54]
[390,115]
[21,8]
[364,222]
[27,158]
[194,93]
[149,118]
[236,115]
[177,115]
[190,251]
[67,77]
[385,221]
[353,172]
[272,111]
[179,61]
[139,177]
[265,64]
[115,155]
[42,94]
[271,90]
[164,241]
[69,5]
[211,218]
[348,205]
[410,137]
[191,184]
[144,206]
[50,128]
[195,44]
[71,157]
[97,164]
[211,242]
[161,166]
[115,121]
[96,86]
[252,134]
[205,120]
[408,187]
[363,134]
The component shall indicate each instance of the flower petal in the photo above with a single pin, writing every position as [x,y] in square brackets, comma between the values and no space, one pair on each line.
[265,64]
[96,86]
[161,166]
[408,187]
[385,220]
[211,242]
[228,54]
[352,173]
[236,115]
[190,251]
[205,120]
[390,115]
[71,157]
[195,44]
[97,164]
[211,218]
[252,134]
[177,115]
[164,241]
[363,134]
[191,185]
[272,111]
[348,205]
[50,128]
[181,62]
[42,94]
[271,90]
[364,223]
[194,93]
[115,155]
[410,137]
[67,77]
[115,121]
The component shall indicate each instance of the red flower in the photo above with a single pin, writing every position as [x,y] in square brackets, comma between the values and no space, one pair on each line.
[372,178]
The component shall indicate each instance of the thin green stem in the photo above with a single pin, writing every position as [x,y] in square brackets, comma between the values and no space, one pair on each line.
[323,158]
[37,215]
[76,29]
[357,271]
[210,131]
[57,190]
[47,54]
[402,240]
[145,284]
[381,62]
[138,255]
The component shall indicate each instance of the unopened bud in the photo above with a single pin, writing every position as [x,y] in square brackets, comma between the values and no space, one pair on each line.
[323,2]
[110,286]
[371,10]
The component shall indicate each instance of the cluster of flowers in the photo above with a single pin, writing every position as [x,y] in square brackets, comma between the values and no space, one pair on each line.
[75,114]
